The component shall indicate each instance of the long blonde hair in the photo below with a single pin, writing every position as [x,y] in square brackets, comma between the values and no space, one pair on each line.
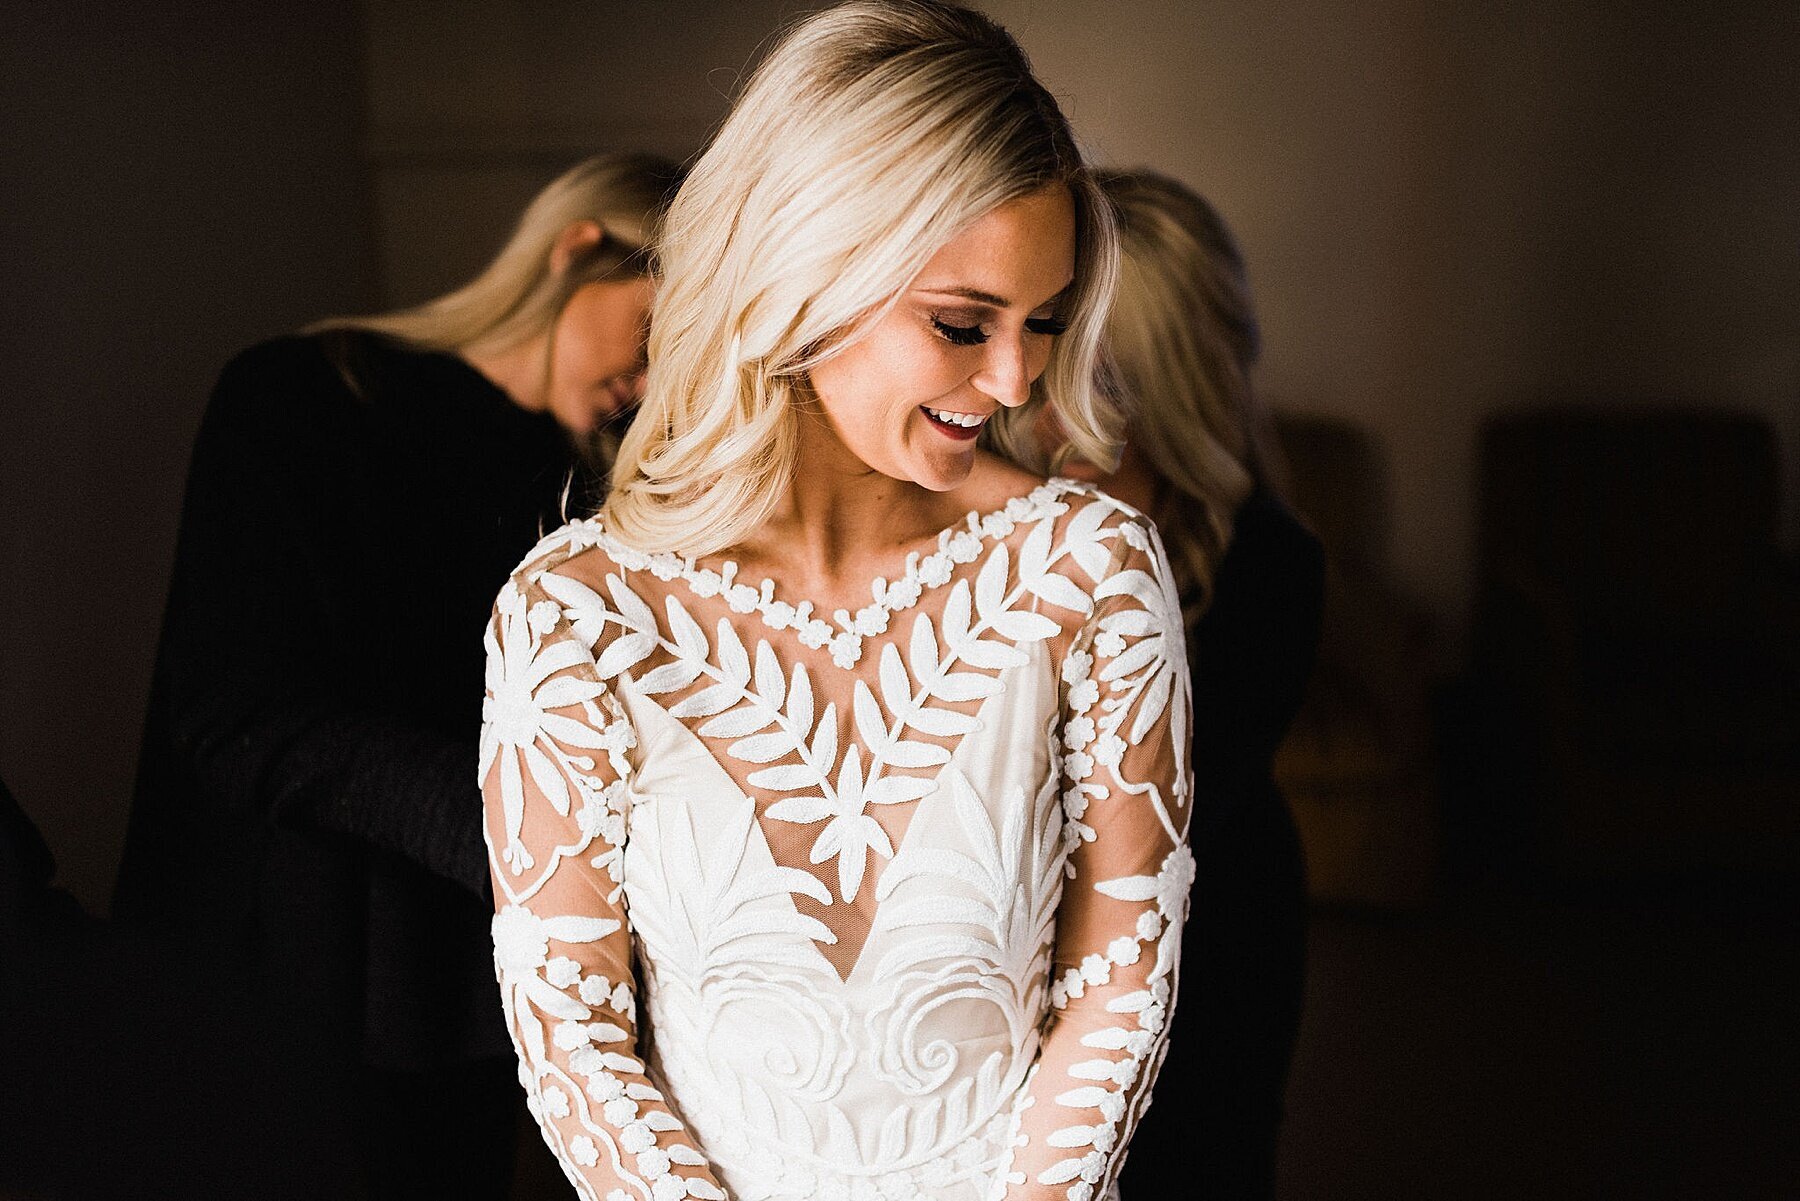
[1180,344]
[871,135]
[518,296]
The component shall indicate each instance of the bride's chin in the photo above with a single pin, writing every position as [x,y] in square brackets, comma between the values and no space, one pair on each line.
[942,481]
[939,471]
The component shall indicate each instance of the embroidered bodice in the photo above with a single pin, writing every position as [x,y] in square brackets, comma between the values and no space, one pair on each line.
[882,904]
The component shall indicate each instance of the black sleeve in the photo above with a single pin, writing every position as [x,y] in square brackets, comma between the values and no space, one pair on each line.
[268,698]
[1253,651]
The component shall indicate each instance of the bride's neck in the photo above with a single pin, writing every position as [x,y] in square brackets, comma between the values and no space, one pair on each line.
[840,518]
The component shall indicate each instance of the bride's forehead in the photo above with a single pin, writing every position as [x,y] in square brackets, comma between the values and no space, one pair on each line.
[1011,253]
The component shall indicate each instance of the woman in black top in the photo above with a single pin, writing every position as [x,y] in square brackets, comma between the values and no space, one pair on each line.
[311,828]
[1181,341]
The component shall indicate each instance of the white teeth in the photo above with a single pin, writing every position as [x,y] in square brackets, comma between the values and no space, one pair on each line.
[967,420]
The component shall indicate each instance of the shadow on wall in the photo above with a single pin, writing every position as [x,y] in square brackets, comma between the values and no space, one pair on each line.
[1631,706]
[1636,654]
[215,1092]
[1357,766]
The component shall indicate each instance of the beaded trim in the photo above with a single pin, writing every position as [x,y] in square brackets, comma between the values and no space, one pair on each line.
[961,543]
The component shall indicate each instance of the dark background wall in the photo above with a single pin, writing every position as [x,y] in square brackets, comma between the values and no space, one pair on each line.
[179,180]
[1448,209]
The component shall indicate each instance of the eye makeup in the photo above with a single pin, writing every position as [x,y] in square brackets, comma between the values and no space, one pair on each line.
[958,335]
[974,335]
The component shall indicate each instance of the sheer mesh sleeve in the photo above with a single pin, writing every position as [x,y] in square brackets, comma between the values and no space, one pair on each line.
[553,771]
[1126,806]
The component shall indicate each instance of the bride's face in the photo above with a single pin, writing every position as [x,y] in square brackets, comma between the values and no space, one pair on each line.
[969,337]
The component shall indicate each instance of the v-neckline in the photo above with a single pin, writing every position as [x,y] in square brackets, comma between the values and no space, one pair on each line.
[906,716]
[853,974]
[961,542]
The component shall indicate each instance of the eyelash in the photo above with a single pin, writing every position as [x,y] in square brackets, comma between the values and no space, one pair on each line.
[974,335]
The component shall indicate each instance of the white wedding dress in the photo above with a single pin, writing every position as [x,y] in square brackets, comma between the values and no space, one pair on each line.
[876,906]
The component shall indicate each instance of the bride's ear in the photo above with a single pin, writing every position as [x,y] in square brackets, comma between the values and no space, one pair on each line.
[576,239]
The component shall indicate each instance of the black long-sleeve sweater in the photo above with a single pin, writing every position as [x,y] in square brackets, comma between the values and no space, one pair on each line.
[306,802]
[1211,1132]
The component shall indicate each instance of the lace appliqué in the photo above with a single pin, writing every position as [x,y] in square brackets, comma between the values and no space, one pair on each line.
[998,1020]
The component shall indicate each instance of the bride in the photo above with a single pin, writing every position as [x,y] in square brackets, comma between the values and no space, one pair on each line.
[835,771]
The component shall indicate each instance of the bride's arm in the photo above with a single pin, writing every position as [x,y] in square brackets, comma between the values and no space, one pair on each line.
[1126,806]
[553,771]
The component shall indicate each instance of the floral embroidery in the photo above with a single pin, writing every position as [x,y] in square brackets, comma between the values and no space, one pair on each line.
[997,745]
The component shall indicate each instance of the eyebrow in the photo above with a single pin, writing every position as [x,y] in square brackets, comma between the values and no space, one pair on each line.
[975,294]
[988,298]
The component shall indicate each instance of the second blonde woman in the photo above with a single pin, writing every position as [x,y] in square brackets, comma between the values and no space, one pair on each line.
[306,806]
[1182,343]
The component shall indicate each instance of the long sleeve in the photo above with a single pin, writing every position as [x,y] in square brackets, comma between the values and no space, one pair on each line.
[1126,809]
[554,768]
[262,694]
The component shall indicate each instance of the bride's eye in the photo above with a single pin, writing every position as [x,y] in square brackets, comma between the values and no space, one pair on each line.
[1047,325]
[961,335]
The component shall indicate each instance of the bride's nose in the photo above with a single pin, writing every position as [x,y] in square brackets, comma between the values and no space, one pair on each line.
[1006,373]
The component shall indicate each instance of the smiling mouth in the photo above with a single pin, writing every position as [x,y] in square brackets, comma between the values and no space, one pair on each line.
[961,426]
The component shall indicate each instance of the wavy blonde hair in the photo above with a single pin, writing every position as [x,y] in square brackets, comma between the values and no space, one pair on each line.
[871,135]
[1180,343]
[519,295]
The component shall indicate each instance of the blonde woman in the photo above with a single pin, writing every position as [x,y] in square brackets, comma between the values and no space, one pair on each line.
[305,798]
[1181,342]
[835,771]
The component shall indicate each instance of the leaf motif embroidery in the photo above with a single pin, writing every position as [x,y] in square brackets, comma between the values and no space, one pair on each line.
[737,694]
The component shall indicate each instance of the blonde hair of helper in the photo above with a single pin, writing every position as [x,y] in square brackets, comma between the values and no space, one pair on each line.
[871,135]
[518,296]
[1180,343]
